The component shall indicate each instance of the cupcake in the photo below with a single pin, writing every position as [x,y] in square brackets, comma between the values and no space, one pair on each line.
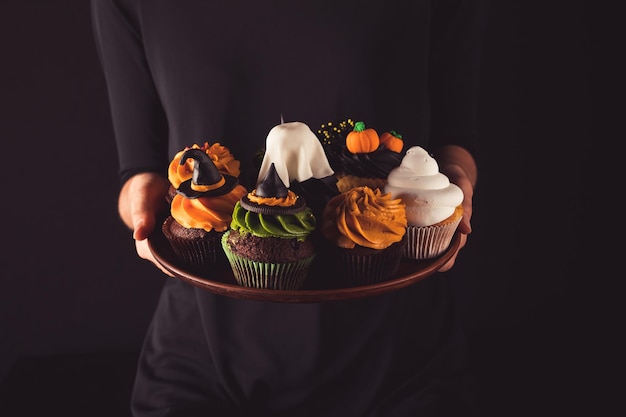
[366,230]
[433,203]
[359,155]
[221,156]
[200,212]
[269,243]
[300,162]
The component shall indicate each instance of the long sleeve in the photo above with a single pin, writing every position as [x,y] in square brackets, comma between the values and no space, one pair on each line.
[188,71]
[139,122]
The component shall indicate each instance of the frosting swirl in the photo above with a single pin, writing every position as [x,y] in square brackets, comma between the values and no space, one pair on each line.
[365,217]
[428,194]
[290,226]
[375,164]
[208,213]
[221,156]
[288,201]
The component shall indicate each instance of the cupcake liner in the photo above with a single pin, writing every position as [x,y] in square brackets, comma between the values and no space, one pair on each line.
[363,267]
[200,254]
[428,242]
[275,276]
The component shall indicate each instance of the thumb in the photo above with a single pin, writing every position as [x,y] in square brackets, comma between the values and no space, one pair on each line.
[143,217]
[143,227]
[141,200]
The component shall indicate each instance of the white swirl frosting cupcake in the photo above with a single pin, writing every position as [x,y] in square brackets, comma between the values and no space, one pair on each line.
[433,203]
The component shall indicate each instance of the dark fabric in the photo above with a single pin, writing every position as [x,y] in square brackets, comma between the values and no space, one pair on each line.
[394,354]
[188,71]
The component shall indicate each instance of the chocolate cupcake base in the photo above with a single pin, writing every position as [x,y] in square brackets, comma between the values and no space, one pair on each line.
[266,274]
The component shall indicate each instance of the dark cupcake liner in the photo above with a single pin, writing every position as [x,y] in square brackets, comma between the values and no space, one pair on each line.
[363,266]
[199,255]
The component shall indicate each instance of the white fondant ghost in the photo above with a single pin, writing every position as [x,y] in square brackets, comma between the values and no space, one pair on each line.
[296,152]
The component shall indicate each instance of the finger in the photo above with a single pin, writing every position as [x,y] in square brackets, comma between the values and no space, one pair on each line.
[143,226]
[146,201]
[142,214]
[450,263]
[144,252]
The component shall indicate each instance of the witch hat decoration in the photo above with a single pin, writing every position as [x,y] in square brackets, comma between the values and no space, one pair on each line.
[271,185]
[206,179]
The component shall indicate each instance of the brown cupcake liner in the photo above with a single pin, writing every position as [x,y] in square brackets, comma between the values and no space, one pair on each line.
[427,242]
[364,267]
[198,255]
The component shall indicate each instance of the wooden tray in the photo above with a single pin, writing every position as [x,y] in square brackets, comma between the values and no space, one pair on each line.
[319,287]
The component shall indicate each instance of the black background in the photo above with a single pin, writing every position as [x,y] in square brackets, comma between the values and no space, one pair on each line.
[75,300]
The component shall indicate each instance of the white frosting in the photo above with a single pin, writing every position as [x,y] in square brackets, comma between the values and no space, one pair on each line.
[296,152]
[429,195]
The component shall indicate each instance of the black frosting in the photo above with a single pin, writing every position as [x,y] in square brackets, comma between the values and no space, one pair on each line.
[375,164]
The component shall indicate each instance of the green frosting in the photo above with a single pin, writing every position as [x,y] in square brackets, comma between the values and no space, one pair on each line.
[288,226]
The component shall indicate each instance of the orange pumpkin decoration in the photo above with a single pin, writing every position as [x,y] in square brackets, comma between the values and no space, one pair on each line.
[392,140]
[362,139]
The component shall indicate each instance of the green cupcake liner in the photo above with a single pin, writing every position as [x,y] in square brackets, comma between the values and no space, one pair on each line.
[275,276]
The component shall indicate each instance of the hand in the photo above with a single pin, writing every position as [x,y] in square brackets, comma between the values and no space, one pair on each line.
[141,200]
[460,167]
[458,177]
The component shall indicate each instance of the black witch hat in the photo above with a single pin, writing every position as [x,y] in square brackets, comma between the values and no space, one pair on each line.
[268,187]
[206,179]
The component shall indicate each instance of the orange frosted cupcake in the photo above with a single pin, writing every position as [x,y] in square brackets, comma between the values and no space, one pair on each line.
[367,230]
[200,212]
[220,155]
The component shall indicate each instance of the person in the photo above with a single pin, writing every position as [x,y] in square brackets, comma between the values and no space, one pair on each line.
[183,72]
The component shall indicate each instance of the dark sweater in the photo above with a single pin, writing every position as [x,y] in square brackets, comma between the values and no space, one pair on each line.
[188,71]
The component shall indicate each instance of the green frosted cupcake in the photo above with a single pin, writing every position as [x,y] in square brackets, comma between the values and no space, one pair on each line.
[269,243]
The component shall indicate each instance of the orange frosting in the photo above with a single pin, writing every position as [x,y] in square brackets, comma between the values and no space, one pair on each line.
[219,154]
[365,217]
[288,201]
[208,213]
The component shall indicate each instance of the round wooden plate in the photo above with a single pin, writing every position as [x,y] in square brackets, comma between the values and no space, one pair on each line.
[319,287]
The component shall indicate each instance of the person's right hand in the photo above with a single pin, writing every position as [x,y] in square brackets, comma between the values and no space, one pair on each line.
[141,200]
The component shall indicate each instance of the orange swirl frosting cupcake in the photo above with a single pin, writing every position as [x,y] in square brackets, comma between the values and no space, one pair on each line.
[220,155]
[208,213]
[367,229]
[201,211]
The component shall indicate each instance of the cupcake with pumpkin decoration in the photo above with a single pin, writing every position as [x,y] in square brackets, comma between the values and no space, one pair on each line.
[360,155]
[200,212]
[366,232]
[270,243]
